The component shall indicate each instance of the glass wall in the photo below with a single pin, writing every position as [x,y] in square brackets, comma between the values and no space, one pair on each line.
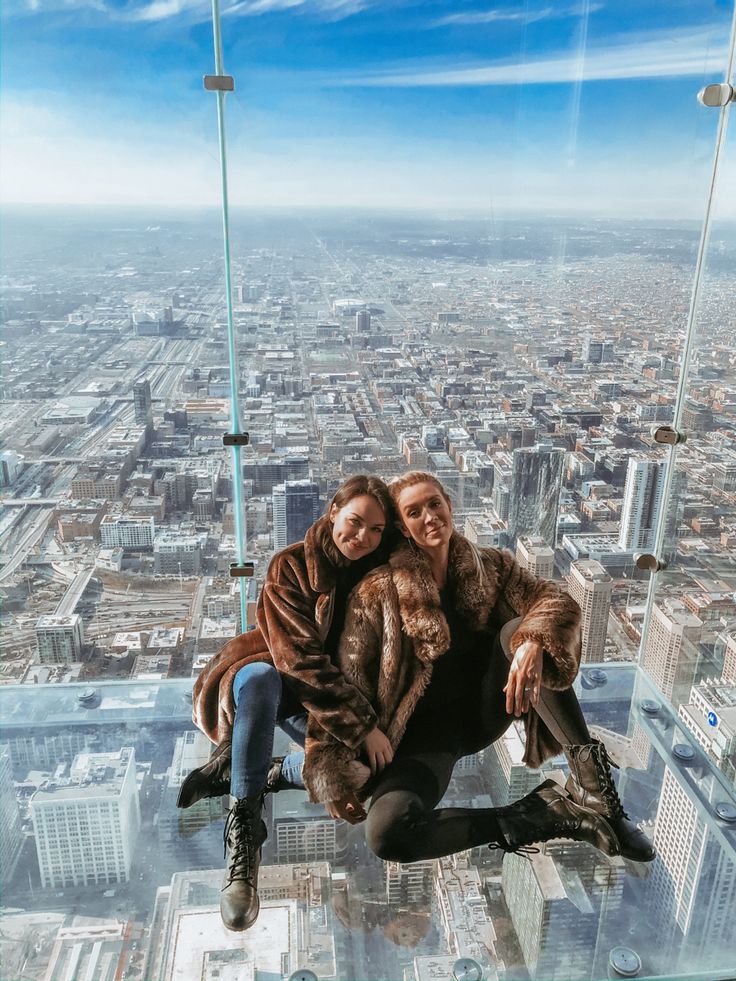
[464,240]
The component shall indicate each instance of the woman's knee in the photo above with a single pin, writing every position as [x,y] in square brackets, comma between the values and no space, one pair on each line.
[260,678]
[390,826]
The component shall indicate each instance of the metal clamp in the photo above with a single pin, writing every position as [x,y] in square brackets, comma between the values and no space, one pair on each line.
[235,439]
[219,83]
[245,571]
[647,562]
[717,96]
[668,435]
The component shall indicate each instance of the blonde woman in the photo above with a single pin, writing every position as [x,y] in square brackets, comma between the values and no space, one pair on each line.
[422,643]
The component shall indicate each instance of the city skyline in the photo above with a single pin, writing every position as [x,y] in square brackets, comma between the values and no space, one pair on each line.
[352,102]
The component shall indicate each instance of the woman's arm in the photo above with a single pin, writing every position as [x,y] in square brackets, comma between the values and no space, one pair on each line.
[550,618]
[288,624]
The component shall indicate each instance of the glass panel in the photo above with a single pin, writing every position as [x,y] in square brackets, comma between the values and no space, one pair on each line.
[515,332]
[100,864]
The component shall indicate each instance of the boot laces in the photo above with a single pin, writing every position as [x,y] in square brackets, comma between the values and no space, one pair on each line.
[516,850]
[609,792]
[238,836]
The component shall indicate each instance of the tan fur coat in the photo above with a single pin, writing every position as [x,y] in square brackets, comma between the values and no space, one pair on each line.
[395,630]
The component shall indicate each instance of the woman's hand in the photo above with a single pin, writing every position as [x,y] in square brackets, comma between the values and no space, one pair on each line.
[525,678]
[378,750]
[347,809]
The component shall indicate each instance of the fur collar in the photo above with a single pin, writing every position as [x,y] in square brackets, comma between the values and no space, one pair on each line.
[321,571]
[419,596]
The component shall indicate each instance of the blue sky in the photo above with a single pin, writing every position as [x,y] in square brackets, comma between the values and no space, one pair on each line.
[547,106]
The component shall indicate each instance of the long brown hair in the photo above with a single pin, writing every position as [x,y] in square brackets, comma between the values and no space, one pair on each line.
[360,485]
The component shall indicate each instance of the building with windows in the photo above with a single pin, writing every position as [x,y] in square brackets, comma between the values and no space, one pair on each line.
[535,555]
[60,638]
[296,506]
[591,587]
[642,504]
[142,403]
[176,554]
[534,492]
[11,835]
[305,832]
[132,532]
[671,648]
[86,821]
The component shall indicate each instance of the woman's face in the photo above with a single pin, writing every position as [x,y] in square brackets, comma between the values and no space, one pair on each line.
[425,515]
[357,526]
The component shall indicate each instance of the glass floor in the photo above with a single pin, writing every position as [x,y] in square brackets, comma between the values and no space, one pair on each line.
[103,878]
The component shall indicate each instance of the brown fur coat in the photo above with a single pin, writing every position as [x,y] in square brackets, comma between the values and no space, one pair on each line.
[395,630]
[294,615]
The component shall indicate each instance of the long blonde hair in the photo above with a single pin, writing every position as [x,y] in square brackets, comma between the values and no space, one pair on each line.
[397,484]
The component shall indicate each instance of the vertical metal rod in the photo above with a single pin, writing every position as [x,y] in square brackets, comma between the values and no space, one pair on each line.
[689,341]
[240,528]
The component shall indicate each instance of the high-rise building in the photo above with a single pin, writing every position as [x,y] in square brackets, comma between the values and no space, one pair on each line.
[11,835]
[86,822]
[535,555]
[60,638]
[591,587]
[534,499]
[304,832]
[175,554]
[693,883]
[506,775]
[560,900]
[142,402]
[671,649]
[363,320]
[127,531]
[728,675]
[295,508]
[408,882]
[642,504]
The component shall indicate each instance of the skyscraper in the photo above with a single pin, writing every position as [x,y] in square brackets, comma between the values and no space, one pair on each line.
[295,508]
[591,587]
[142,402]
[536,481]
[86,823]
[535,555]
[60,638]
[11,836]
[643,505]
[671,649]
[693,884]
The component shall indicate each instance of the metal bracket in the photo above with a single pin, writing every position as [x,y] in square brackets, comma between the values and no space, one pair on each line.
[219,83]
[668,435]
[245,571]
[648,562]
[235,439]
[717,96]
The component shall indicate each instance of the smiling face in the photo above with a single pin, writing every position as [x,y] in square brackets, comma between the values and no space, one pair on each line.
[425,515]
[357,527]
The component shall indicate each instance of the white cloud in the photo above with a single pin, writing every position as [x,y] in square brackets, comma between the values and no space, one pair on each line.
[195,10]
[667,54]
[528,16]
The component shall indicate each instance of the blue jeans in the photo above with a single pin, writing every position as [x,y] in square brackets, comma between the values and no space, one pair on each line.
[261,702]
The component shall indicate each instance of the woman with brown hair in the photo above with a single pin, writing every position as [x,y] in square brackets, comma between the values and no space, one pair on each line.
[422,642]
[283,671]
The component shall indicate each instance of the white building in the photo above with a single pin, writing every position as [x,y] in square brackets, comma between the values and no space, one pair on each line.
[304,832]
[408,882]
[591,587]
[671,648]
[642,505]
[175,554]
[86,822]
[535,555]
[127,532]
[60,638]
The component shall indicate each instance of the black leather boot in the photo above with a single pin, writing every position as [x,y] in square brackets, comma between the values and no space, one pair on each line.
[591,784]
[210,780]
[245,832]
[548,812]
[213,779]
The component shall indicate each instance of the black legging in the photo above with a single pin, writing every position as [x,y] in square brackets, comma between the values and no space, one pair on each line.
[402,823]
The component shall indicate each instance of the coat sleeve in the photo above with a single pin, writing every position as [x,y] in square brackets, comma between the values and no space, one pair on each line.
[290,630]
[332,770]
[550,616]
